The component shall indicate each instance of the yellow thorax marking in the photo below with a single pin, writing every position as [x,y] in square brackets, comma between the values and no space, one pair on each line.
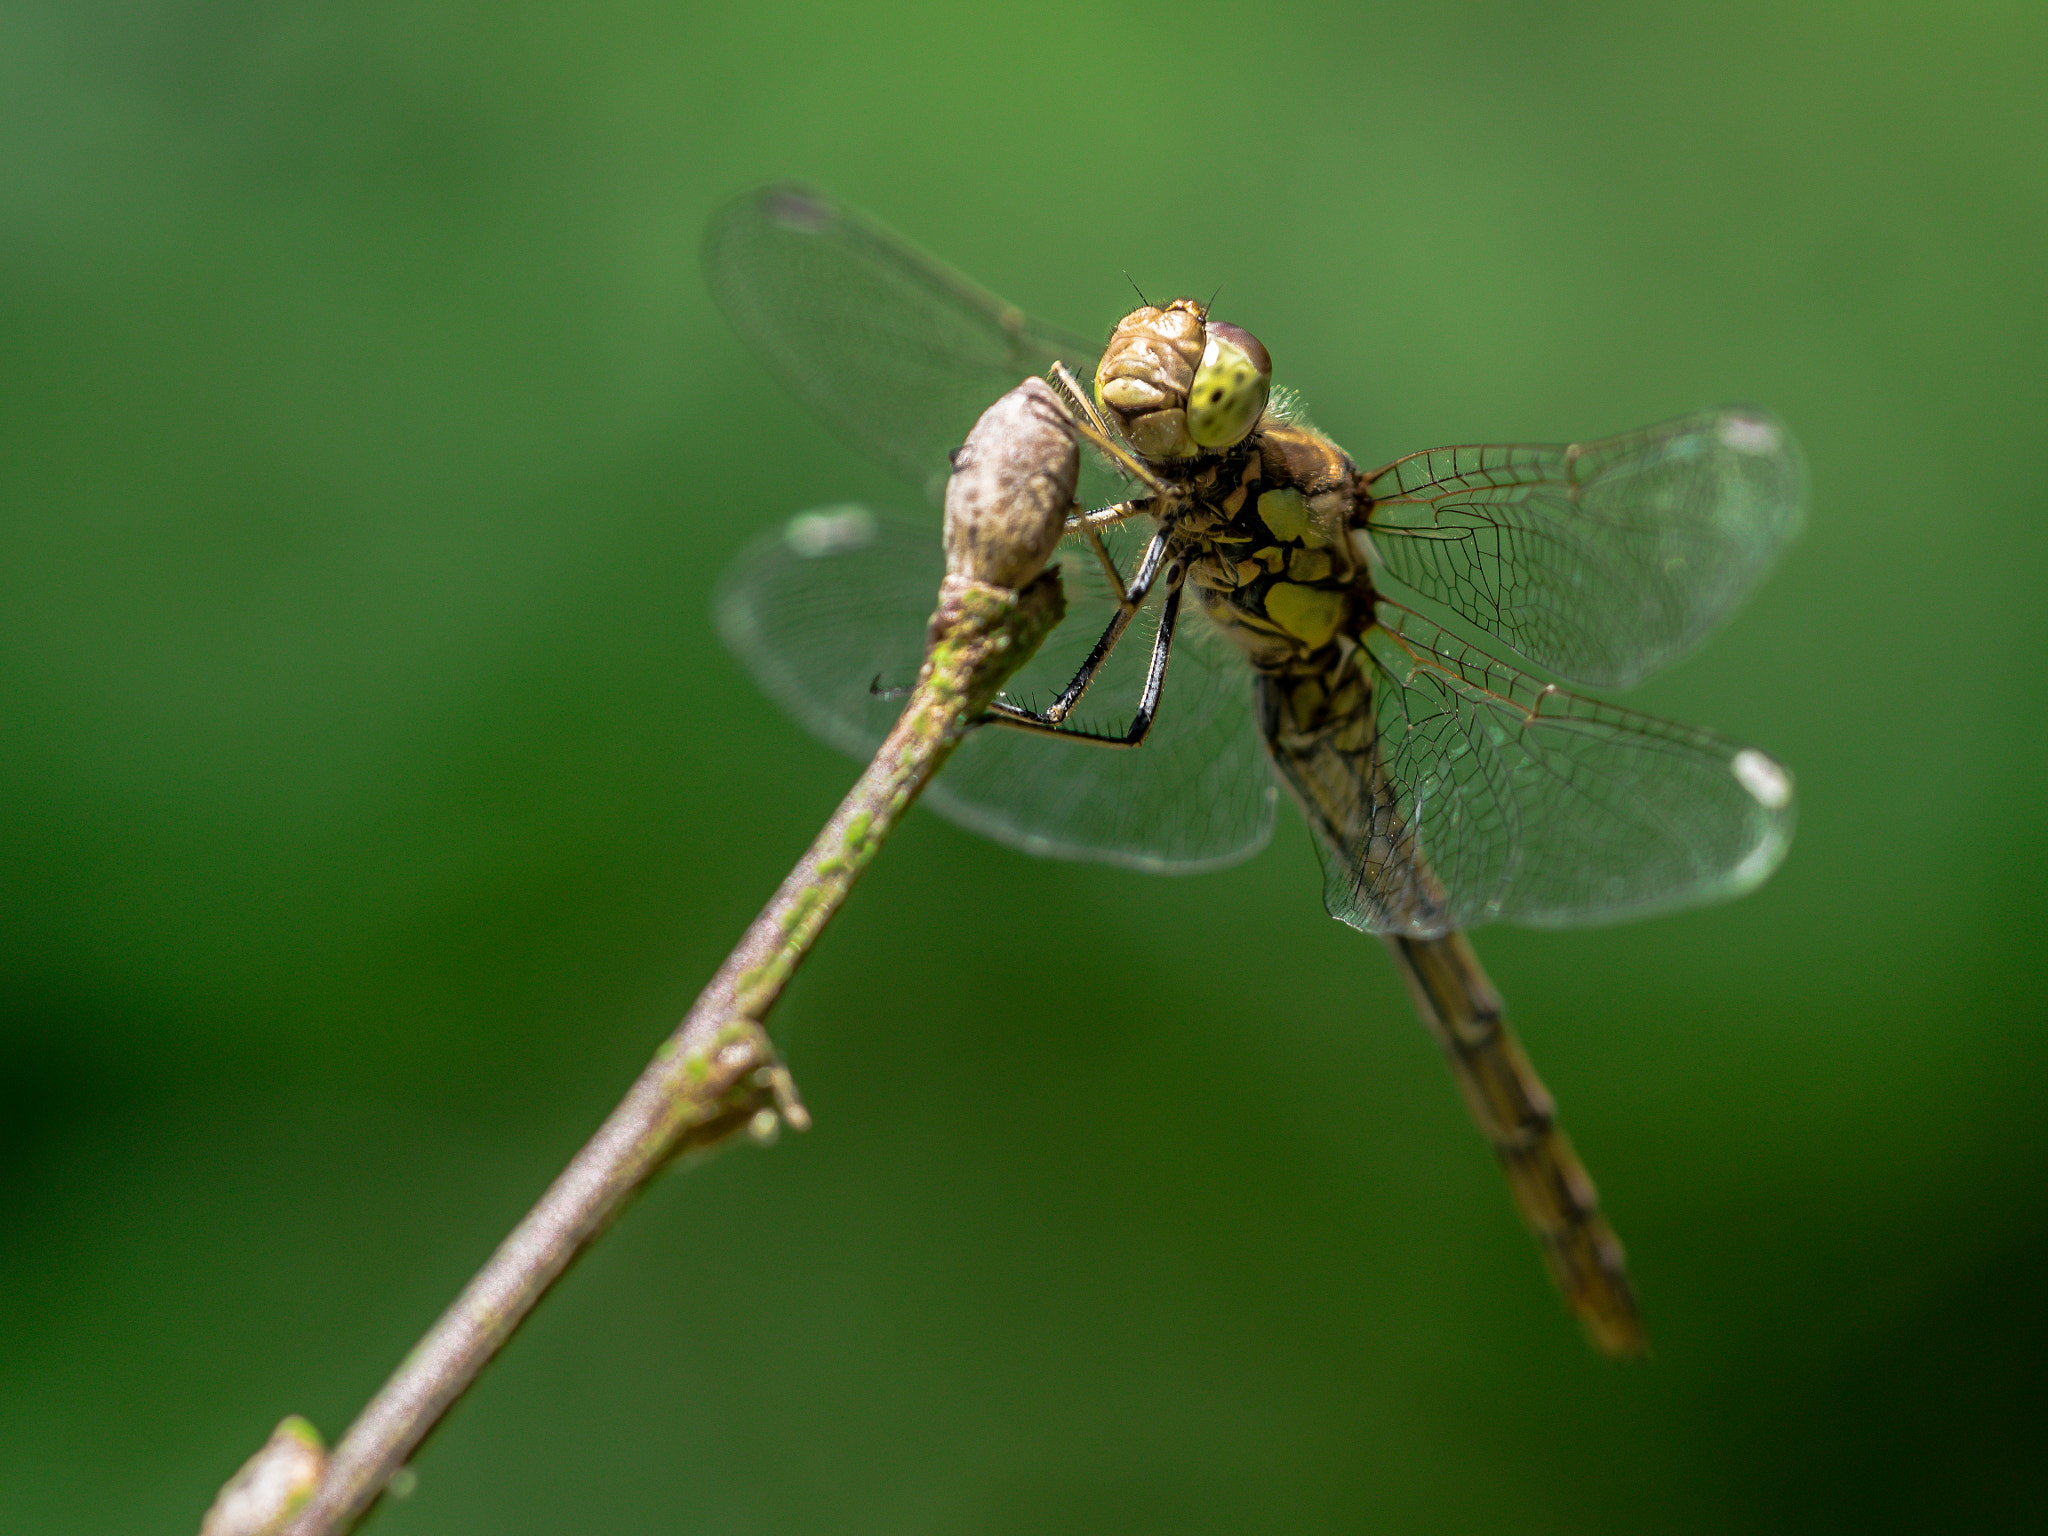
[1309,565]
[1310,614]
[1287,515]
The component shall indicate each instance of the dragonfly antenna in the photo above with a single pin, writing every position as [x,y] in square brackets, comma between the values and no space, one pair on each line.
[1136,289]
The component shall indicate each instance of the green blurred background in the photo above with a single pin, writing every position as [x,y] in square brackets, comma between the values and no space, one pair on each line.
[373,794]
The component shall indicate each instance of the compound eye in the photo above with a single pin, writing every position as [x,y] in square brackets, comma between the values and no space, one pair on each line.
[1230,388]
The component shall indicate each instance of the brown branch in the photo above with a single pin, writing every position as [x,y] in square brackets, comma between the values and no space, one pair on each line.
[718,1073]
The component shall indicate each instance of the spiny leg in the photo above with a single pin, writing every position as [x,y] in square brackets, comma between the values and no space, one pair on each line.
[1077,399]
[1148,702]
[1089,525]
[1100,550]
[1127,609]
[1084,522]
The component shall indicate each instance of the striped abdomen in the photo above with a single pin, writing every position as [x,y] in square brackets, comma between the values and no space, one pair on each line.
[1320,729]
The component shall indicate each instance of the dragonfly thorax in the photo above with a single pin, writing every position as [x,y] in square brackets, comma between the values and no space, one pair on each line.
[1179,386]
[1268,530]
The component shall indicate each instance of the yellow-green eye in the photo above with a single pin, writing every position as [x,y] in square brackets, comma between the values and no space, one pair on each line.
[1230,388]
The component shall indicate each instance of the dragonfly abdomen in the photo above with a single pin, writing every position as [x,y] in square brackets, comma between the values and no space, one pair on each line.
[1515,1113]
[1322,732]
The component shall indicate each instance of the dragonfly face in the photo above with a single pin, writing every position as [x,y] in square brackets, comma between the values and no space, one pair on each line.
[1368,639]
[1176,384]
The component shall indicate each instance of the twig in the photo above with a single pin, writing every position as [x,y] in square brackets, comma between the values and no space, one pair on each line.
[718,1073]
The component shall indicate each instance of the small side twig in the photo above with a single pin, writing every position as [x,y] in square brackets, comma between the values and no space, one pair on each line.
[719,1072]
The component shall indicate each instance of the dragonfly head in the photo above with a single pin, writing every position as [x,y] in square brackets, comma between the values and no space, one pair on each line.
[1180,386]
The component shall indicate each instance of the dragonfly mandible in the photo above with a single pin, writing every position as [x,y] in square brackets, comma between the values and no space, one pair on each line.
[1366,639]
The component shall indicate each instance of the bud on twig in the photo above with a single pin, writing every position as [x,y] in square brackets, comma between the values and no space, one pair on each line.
[1012,487]
[271,1485]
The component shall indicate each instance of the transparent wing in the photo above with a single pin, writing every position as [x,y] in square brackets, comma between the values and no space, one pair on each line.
[836,601]
[898,352]
[1600,562]
[1482,795]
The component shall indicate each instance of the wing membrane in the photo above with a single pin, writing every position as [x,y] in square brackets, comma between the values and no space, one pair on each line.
[1483,795]
[898,352]
[838,599]
[1601,562]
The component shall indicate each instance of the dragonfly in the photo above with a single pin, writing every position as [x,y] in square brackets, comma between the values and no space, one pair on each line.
[1389,647]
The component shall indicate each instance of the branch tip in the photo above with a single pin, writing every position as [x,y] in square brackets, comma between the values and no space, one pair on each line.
[271,1485]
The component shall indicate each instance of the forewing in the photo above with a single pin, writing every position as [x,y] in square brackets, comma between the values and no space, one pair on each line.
[829,615]
[896,351]
[1491,796]
[1600,562]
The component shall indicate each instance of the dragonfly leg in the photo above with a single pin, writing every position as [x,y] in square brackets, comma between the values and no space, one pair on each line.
[1148,702]
[1103,558]
[1127,609]
[1083,520]
[1076,397]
